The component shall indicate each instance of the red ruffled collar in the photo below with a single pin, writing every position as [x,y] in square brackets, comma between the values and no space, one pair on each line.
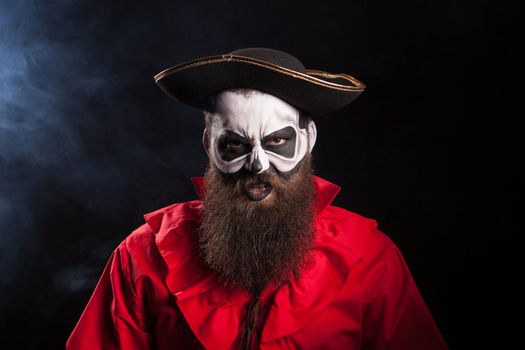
[208,306]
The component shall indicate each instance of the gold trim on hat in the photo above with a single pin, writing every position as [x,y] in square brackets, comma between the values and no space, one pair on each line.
[357,85]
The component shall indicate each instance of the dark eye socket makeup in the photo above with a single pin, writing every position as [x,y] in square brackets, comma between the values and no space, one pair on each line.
[232,145]
[281,142]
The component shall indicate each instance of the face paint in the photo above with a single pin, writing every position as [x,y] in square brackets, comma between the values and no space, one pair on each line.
[254,130]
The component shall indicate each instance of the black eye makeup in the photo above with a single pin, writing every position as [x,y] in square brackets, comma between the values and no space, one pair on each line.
[281,142]
[232,145]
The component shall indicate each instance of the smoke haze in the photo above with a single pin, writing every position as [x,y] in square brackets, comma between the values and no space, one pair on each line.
[88,143]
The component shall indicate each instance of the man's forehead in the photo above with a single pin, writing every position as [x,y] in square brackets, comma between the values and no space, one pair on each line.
[248,107]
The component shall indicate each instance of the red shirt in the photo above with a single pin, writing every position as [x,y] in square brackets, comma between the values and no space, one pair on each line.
[156,294]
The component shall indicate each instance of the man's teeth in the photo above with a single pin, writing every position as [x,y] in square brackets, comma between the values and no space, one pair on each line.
[258,188]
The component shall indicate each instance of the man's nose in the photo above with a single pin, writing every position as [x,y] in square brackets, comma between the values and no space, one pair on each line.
[255,167]
[258,162]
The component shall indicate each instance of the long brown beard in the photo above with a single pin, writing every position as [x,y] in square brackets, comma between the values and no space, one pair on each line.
[250,243]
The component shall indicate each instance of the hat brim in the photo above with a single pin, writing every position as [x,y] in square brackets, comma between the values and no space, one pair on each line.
[315,92]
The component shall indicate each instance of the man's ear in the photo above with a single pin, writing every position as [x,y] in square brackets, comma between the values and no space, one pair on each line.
[206,141]
[312,135]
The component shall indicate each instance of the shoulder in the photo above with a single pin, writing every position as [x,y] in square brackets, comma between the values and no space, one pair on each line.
[161,221]
[381,267]
[173,215]
[361,234]
[163,233]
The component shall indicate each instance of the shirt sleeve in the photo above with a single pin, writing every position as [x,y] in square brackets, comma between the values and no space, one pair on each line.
[114,316]
[396,316]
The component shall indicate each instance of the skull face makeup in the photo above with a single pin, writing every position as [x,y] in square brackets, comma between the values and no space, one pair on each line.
[253,130]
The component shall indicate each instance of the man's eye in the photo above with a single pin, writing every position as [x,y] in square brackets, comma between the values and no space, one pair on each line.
[232,145]
[275,141]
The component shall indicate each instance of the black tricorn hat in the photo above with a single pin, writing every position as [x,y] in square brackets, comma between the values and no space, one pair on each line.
[268,70]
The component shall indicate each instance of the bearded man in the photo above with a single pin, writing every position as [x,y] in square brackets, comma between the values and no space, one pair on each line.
[261,260]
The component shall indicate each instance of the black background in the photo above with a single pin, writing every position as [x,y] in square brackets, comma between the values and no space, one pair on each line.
[88,143]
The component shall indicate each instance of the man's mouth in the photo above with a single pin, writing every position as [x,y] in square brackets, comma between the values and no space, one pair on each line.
[258,191]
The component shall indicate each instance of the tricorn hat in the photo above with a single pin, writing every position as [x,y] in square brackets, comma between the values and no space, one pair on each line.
[268,70]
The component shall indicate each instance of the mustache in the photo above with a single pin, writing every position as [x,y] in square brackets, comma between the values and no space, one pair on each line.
[243,179]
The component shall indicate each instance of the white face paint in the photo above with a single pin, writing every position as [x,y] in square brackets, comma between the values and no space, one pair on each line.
[255,129]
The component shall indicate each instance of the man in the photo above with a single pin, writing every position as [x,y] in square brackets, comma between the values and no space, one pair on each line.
[262,260]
